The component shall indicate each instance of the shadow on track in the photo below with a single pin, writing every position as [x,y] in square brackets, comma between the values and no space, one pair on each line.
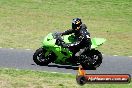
[64,66]
[67,67]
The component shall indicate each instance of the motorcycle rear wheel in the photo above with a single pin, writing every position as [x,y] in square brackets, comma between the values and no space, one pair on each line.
[97,56]
[92,60]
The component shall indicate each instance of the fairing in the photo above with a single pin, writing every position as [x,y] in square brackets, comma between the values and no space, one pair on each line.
[63,53]
[96,42]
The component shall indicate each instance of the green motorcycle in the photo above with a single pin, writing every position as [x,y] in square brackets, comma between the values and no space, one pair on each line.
[51,52]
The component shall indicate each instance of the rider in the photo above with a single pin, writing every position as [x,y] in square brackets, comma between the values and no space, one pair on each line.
[81,34]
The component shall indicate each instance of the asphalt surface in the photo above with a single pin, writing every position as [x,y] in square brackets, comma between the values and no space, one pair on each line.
[22,59]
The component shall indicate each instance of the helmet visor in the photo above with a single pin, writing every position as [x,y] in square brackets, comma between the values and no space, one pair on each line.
[74,26]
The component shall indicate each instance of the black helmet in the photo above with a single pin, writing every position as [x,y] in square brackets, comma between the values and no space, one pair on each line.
[76,23]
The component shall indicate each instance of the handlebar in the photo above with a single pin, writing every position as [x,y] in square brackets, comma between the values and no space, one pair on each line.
[57,36]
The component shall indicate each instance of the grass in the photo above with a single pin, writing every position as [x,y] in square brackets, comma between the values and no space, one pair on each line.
[11,78]
[24,23]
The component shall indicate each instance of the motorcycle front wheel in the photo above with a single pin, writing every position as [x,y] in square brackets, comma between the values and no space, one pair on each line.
[43,57]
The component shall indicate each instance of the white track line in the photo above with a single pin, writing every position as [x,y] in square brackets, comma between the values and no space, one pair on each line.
[27,49]
[11,48]
[115,55]
[57,72]
[129,56]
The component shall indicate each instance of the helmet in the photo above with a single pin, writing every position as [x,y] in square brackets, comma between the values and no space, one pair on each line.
[76,23]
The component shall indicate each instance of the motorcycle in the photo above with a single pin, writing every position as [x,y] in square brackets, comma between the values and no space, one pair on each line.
[52,52]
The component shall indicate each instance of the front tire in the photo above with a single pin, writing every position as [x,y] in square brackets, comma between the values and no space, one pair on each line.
[40,59]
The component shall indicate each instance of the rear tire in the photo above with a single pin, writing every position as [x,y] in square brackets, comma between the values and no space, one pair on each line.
[97,56]
[40,59]
[92,60]
[86,63]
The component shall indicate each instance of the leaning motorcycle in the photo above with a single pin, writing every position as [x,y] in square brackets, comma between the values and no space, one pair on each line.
[52,52]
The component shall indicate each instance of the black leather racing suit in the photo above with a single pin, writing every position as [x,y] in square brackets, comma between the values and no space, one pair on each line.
[83,40]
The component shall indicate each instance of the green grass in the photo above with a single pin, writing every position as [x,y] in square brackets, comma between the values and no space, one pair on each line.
[24,23]
[11,78]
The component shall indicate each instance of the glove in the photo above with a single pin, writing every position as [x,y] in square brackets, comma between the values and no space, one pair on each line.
[61,43]
[64,45]
[58,42]
[59,34]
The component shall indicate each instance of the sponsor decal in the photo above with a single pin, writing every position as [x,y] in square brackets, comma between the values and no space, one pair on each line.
[83,78]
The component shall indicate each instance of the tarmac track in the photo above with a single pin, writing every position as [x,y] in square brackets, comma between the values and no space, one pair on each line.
[22,59]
